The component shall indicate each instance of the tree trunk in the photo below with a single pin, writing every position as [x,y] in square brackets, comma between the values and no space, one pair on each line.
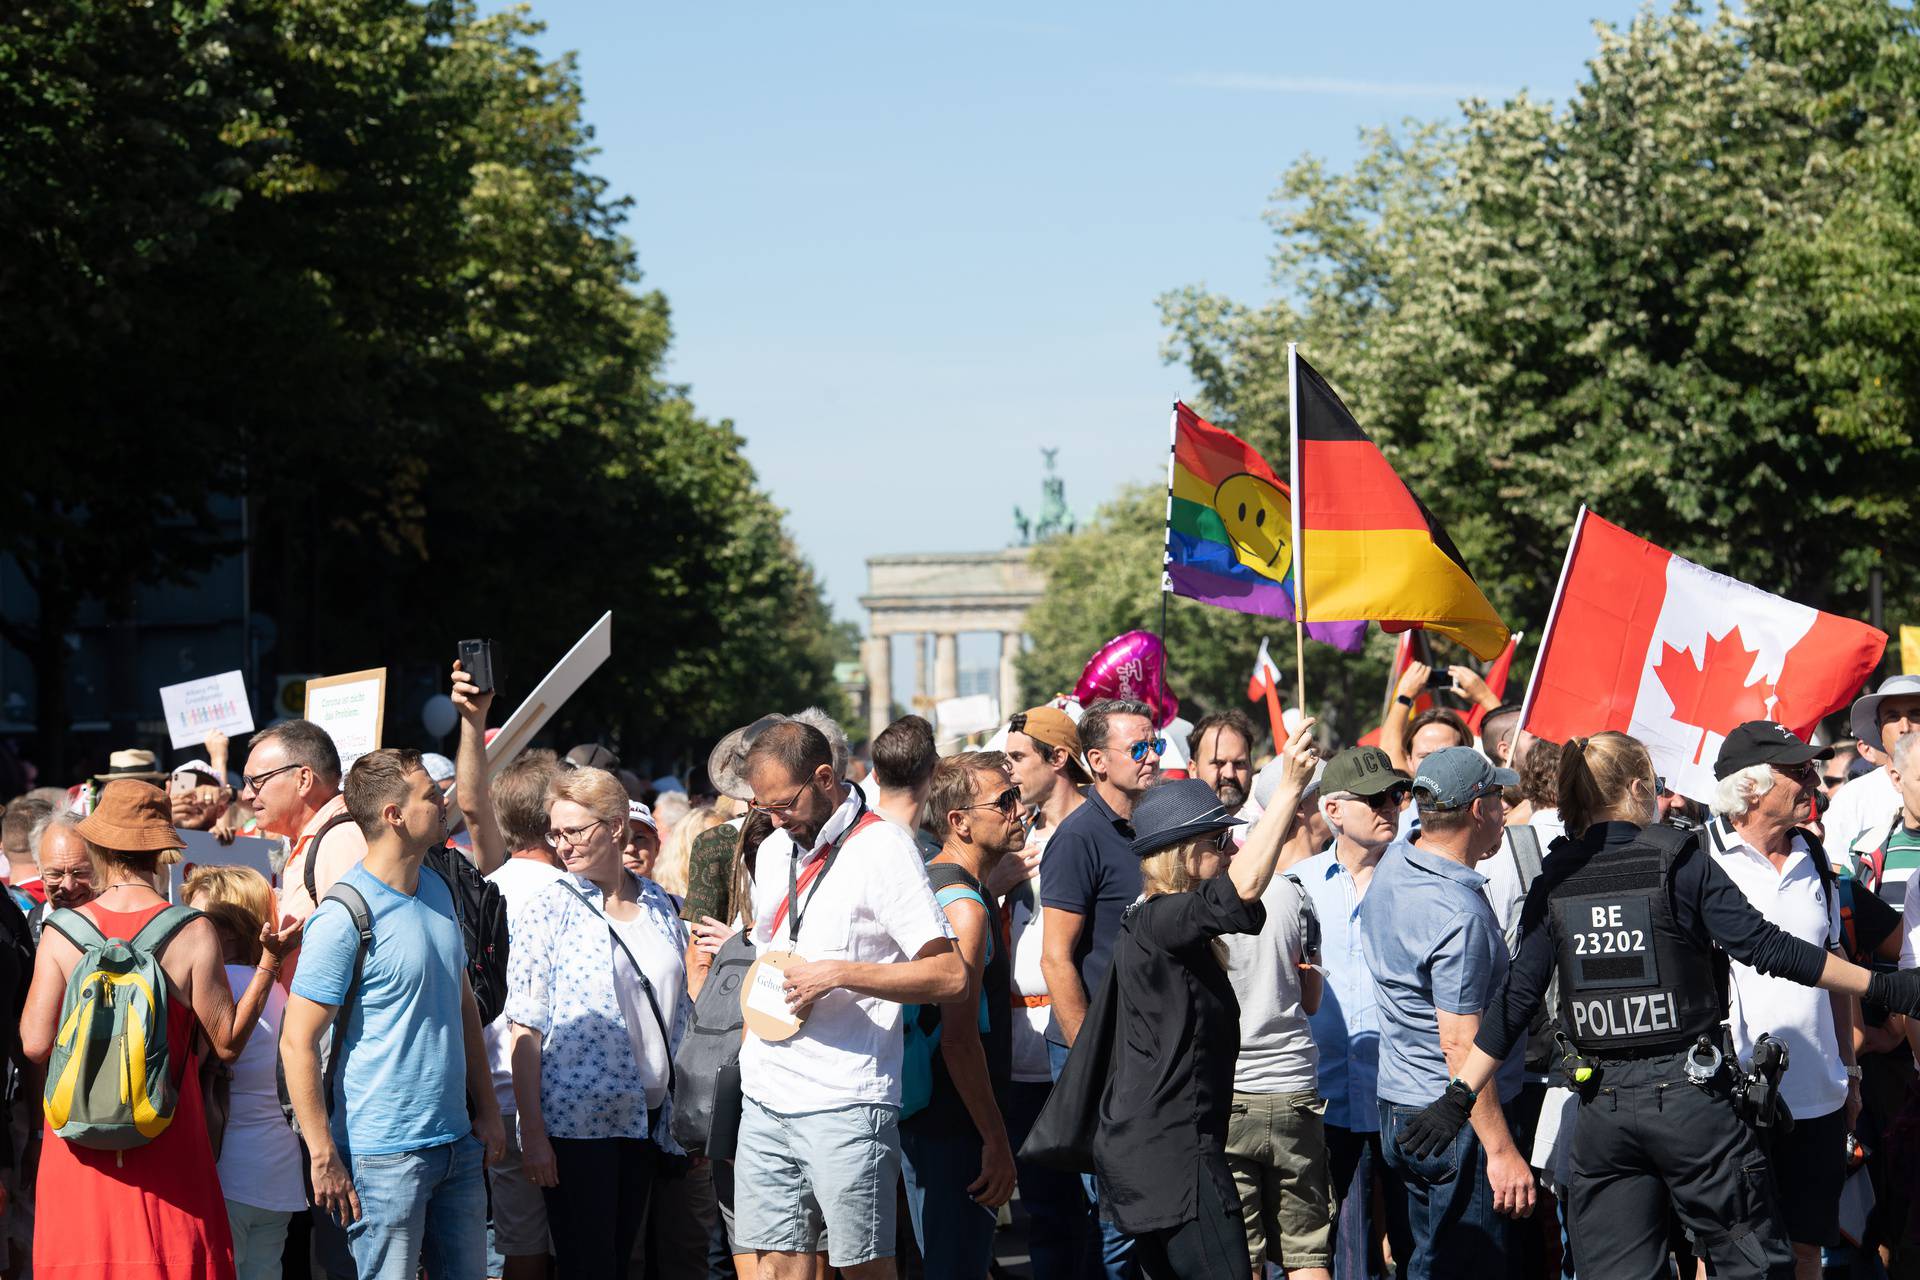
[49,656]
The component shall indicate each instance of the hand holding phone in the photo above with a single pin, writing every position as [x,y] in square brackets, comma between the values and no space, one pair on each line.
[476,660]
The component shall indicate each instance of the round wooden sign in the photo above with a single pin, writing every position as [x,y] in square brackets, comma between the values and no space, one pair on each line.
[763,997]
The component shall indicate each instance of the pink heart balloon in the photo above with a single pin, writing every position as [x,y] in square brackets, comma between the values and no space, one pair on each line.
[1130,666]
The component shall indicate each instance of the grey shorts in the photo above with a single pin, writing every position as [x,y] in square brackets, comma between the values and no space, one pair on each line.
[519,1208]
[795,1177]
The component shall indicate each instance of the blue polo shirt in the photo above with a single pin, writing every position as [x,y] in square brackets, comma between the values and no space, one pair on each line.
[1345,1027]
[1090,870]
[1434,944]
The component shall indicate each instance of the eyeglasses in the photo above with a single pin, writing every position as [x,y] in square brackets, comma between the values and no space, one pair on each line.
[575,836]
[78,875]
[783,806]
[1145,747]
[254,781]
[1803,772]
[1007,802]
[1224,841]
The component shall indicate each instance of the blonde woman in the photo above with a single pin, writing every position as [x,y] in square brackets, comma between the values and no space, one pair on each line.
[670,870]
[1160,1152]
[597,998]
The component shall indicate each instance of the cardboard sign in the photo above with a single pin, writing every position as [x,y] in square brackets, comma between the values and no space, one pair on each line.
[959,717]
[195,708]
[352,709]
[763,997]
[202,850]
[551,693]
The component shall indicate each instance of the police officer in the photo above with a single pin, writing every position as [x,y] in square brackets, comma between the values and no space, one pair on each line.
[1628,915]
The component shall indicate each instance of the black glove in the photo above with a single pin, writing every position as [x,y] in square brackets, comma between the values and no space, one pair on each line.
[1898,991]
[1439,1124]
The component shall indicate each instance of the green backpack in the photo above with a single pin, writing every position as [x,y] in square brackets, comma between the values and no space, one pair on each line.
[109,1081]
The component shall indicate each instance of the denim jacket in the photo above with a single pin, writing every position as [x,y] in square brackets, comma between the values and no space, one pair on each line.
[560,982]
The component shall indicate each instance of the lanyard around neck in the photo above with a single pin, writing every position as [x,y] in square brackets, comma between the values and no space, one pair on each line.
[815,874]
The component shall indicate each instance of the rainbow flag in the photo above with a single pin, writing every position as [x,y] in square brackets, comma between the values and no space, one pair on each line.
[1229,529]
[1372,549]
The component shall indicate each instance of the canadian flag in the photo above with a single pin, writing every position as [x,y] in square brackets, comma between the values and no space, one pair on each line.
[1645,642]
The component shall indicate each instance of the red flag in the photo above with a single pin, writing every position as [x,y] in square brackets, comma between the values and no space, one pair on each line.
[1645,642]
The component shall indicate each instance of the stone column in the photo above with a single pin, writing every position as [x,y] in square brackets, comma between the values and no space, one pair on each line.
[946,666]
[1009,676]
[879,685]
[920,686]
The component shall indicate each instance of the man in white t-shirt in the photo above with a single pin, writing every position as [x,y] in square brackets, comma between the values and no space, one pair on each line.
[1765,791]
[1863,810]
[844,892]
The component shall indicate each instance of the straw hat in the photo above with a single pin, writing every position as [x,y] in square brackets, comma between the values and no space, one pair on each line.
[138,764]
[131,817]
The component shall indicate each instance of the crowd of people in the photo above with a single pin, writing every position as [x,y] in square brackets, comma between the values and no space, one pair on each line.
[1464,1003]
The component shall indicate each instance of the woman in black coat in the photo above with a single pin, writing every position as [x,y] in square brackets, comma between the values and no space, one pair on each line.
[1160,1151]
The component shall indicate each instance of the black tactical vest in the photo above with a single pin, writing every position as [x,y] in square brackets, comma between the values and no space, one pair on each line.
[1630,982]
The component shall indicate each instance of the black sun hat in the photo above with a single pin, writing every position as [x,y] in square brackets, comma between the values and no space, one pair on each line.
[1176,811]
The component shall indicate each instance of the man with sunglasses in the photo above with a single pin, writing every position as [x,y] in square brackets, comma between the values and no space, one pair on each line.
[1090,877]
[1361,796]
[1767,781]
[958,1159]
[292,783]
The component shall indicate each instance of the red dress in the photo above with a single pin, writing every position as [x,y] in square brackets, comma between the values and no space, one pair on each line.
[148,1213]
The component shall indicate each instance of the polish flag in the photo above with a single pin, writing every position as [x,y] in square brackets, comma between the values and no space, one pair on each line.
[1266,676]
[1642,641]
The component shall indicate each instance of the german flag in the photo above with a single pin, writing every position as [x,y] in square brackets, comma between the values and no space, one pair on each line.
[1368,547]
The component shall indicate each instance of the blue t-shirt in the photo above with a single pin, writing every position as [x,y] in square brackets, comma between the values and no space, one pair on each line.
[402,1085]
[1433,943]
[1091,871]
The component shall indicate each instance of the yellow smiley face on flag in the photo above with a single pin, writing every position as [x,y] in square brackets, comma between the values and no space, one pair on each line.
[1259,524]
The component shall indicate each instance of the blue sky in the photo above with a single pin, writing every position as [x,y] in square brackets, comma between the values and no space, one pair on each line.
[907,245]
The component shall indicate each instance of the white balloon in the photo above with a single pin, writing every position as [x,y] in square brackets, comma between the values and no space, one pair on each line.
[439,715]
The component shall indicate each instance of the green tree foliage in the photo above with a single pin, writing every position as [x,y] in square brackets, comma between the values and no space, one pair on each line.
[1686,298]
[347,258]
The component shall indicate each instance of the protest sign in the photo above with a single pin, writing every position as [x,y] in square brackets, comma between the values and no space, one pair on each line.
[561,683]
[196,708]
[352,709]
[958,717]
[202,850]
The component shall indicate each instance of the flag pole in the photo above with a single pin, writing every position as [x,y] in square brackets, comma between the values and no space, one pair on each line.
[1546,632]
[1166,546]
[1293,483]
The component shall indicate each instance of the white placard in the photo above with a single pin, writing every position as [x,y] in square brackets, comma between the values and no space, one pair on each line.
[195,708]
[561,683]
[958,717]
[350,708]
[202,850]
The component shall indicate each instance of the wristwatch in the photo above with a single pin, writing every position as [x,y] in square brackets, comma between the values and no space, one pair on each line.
[1404,700]
[1853,1071]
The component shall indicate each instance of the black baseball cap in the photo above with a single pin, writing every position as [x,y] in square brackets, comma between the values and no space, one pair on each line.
[1764,742]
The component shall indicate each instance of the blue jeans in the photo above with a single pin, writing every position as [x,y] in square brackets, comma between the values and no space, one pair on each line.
[420,1206]
[1059,1226]
[1449,1203]
[939,1162]
[1115,1259]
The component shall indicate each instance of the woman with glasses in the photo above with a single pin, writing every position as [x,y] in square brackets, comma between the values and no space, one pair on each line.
[1160,1151]
[596,995]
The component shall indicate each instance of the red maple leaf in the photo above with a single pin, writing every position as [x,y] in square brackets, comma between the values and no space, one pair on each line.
[1714,696]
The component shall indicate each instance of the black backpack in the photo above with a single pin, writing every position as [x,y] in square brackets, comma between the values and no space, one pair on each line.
[477,905]
[482,913]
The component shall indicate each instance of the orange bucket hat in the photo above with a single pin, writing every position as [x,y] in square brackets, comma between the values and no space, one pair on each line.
[131,817]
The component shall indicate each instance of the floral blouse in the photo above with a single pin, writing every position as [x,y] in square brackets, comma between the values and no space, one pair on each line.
[560,982]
